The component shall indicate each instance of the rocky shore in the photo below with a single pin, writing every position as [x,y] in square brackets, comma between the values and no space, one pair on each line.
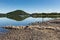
[49,30]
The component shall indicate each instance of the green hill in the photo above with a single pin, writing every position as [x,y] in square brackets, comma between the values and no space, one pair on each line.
[17,12]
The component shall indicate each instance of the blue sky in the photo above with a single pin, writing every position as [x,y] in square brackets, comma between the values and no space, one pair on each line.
[30,6]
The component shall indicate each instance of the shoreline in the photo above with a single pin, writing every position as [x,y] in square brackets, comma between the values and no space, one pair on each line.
[49,30]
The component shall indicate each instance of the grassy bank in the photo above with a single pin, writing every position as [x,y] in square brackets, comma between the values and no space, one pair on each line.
[41,31]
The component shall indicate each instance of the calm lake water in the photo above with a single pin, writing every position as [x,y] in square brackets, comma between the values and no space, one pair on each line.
[19,21]
[24,22]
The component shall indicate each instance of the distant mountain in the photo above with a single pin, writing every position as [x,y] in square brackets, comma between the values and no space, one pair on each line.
[17,12]
[2,15]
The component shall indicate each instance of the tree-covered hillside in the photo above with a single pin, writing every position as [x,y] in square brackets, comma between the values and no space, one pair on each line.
[17,12]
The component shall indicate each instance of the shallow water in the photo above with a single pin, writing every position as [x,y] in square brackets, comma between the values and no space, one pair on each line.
[19,22]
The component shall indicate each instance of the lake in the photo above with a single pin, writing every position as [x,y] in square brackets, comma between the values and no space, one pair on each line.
[9,21]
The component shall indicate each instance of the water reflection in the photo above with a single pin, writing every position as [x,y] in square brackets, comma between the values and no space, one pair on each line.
[19,20]
[15,17]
